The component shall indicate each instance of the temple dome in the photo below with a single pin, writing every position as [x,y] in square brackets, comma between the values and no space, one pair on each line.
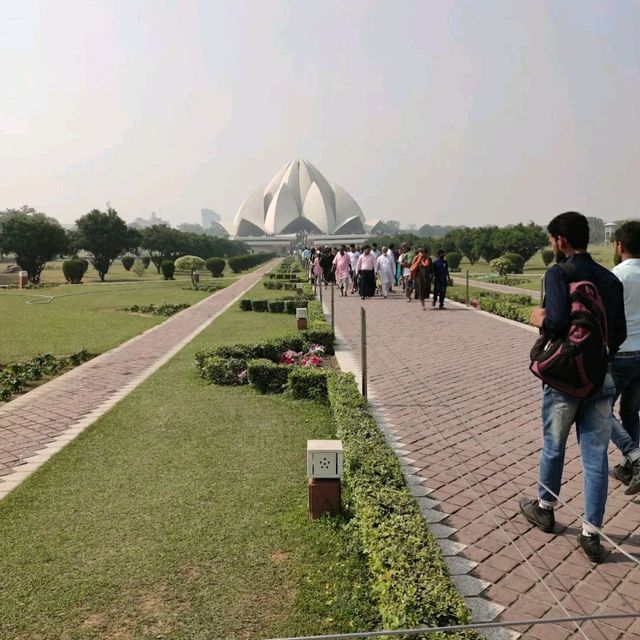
[298,198]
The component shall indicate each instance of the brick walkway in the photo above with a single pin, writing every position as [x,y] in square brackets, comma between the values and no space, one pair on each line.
[36,425]
[462,410]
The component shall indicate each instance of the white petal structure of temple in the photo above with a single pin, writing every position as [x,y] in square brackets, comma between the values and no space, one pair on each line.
[298,198]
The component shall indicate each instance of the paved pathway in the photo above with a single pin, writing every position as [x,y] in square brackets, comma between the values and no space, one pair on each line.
[499,288]
[462,410]
[36,425]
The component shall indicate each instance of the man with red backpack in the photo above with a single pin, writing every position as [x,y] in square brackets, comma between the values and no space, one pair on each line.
[582,327]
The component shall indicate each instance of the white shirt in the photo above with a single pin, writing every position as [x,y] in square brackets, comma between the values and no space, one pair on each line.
[628,272]
[353,256]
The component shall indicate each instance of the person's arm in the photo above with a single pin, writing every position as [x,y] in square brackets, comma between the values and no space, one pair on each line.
[446,270]
[359,264]
[619,331]
[556,302]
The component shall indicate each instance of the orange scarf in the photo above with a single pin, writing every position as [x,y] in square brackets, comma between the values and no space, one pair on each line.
[417,262]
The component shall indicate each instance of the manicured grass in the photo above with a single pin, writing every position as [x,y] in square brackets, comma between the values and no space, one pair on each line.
[83,316]
[182,514]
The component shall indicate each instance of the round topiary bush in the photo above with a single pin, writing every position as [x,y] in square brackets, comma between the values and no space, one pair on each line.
[517,260]
[453,259]
[85,265]
[146,261]
[168,268]
[127,262]
[215,266]
[73,270]
[547,256]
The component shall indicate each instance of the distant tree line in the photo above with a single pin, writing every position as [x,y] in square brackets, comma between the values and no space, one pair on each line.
[35,239]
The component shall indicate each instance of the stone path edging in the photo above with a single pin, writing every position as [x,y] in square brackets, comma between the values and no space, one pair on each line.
[30,464]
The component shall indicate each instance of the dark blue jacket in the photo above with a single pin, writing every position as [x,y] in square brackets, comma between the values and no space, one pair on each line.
[441,270]
[556,301]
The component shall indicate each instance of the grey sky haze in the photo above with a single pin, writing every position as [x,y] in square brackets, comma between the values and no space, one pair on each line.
[466,112]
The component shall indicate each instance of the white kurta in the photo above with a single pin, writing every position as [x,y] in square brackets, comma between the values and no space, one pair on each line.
[385,266]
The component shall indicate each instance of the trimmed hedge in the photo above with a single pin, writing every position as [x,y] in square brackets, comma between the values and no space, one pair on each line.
[73,270]
[267,376]
[224,371]
[166,309]
[242,263]
[280,285]
[168,269]
[260,305]
[282,305]
[215,266]
[276,306]
[453,259]
[307,383]
[246,304]
[146,261]
[128,262]
[411,581]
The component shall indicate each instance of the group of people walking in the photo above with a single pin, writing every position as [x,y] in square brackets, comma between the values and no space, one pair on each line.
[368,271]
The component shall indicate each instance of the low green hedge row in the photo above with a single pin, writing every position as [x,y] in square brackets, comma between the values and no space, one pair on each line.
[211,288]
[158,310]
[285,305]
[242,263]
[411,581]
[283,275]
[283,285]
[14,377]
[512,307]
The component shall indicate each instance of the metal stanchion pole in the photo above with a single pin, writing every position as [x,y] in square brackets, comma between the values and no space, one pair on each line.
[363,349]
[467,287]
[333,307]
[320,287]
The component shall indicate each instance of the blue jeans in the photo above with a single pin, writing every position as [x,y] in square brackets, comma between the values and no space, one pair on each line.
[626,375]
[593,424]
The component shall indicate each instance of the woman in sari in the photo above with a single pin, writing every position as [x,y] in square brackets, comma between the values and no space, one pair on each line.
[422,274]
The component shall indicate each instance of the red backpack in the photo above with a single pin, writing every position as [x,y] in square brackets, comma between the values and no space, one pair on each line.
[577,363]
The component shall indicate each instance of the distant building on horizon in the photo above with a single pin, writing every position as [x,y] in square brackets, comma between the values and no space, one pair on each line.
[143,223]
[209,216]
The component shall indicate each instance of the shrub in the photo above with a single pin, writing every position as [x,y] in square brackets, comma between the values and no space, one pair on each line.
[320,333]
[73,270]
[259,305]
[146,261]
[307,383]
[502,266]
[85,266]
[547,256]
[189,263]
[127,262]
[245,304]
[158,310]
[517,260]
[241,263]
[411,581]
[215,266]
[138,268]
[290,306]
[267,376]
[168,269]
[454,260]
[224,371]
[276,306]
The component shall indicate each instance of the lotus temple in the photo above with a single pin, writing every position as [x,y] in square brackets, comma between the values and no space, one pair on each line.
[299,206]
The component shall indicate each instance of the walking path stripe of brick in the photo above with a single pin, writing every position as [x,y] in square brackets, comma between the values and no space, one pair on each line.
[37,425]
[452,392]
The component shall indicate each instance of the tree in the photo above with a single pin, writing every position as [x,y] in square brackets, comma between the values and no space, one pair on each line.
[486,238]
[596,230]
[466,243]
[162,242]
[525,240]
[188,227]
[547,256]
[32,237]
[190,264]
[105,236]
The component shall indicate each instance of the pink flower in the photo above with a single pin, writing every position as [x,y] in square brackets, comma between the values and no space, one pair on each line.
[289,357]
[312,361]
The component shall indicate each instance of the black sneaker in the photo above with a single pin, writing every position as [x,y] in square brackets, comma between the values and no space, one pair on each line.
[592,547]
[622,473]
[544,519]
[634,483]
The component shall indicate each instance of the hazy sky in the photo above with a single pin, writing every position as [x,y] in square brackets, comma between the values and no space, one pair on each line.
[426,111]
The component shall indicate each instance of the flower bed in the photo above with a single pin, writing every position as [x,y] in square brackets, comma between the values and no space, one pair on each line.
[158,310]
[17,376]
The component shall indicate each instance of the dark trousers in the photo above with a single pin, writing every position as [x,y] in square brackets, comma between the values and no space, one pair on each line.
[439,290]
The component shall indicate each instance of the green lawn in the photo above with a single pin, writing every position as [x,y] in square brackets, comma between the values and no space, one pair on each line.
[83,316]
[182,514]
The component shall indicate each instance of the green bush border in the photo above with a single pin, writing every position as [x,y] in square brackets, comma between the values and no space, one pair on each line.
[411,582]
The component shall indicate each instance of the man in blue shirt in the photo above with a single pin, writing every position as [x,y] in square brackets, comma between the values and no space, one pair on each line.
[569,238]
[626,363]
